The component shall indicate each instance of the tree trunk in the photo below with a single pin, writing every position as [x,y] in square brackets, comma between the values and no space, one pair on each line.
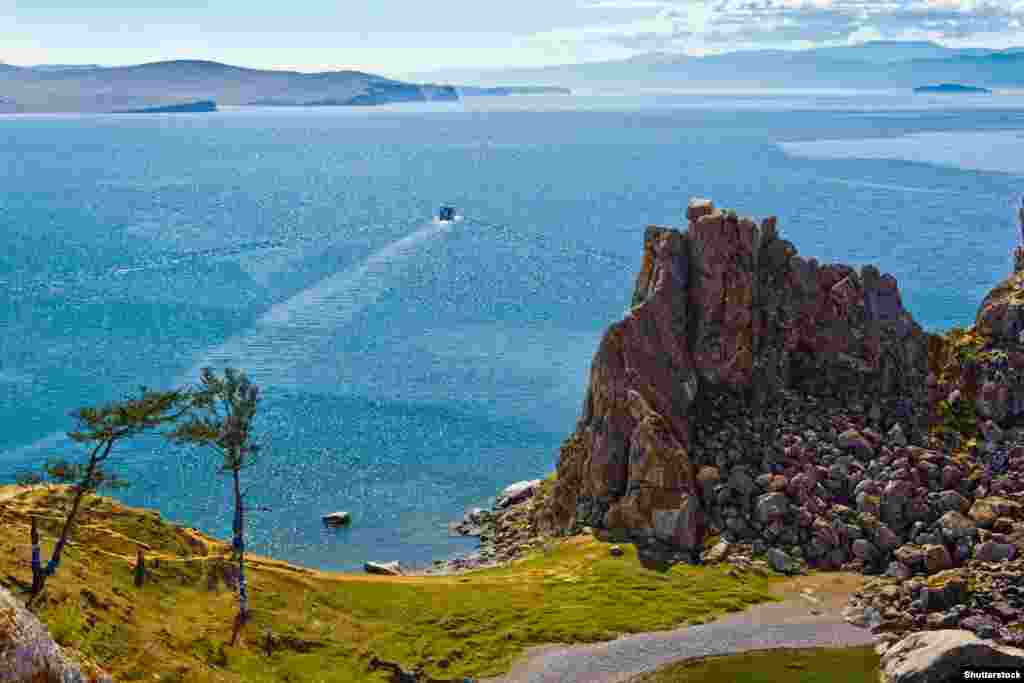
[140,568]
[37,569]
[58,549]
[243,600]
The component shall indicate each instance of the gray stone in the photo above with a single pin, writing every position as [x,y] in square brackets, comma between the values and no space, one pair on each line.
[384,568]
[936,558]
[990,551]
[771,507]
[28,653]
[938,656]
[781,562]
[955,526]
[896,435]
[718,553]
[517,492]
[865,550]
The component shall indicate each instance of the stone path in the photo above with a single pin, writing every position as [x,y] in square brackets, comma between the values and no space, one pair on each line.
[808,616]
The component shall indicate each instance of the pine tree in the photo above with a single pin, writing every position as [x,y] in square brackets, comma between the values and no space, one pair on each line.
[225,408]
[101,427]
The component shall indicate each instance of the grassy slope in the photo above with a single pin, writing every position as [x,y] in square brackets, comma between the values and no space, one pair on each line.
[327,626]
[820,665]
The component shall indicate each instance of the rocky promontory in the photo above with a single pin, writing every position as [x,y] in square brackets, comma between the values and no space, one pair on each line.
[754,403]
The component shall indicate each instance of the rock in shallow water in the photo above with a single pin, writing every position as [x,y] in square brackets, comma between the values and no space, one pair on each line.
[384,568]
[337,519]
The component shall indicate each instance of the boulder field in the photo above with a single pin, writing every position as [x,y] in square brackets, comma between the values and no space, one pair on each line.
[756,402]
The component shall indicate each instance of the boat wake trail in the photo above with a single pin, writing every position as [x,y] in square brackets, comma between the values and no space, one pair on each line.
[291,332]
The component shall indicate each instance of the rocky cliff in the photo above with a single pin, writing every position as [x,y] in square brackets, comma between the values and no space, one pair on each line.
[754,402]
[685,391]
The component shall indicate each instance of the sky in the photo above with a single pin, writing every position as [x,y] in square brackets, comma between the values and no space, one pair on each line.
[396,37]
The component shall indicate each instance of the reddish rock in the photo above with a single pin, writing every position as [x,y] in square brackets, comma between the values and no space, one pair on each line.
[991,551]
[728,306]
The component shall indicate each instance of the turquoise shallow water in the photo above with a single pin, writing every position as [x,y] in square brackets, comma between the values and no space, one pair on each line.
[411,369]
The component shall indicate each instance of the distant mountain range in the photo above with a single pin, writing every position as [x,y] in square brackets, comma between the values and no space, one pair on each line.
[877,64]
[186,84]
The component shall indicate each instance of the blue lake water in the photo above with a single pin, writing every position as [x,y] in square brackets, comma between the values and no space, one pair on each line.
[410,369]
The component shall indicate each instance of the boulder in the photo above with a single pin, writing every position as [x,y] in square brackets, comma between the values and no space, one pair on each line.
[910,555]
[337,519]
[936,558]
[28,654]
[952,501]
[991,551]
[781,562]
[384,568]
[771,507]
[955,526]
[718,552]
[864,550]
[886,538]
[981,625]
[944,594]
[985,511]
[939,656]
[517,492]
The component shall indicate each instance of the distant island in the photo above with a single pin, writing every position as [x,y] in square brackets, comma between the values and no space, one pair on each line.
[955,88]
[867,66]
[505,90]
[194,85]
[187,108]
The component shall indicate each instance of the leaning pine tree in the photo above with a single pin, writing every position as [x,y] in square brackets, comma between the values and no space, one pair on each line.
[225,408]
[101,428]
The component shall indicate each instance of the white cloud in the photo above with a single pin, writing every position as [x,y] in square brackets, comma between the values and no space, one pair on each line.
[703,26]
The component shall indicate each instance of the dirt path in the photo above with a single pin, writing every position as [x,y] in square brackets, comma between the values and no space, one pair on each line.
[808,616]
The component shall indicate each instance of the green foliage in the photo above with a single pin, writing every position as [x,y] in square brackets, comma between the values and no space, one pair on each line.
[224,408]
[211,652]
[66,624]
[960,417]
[102,427]
[325,627]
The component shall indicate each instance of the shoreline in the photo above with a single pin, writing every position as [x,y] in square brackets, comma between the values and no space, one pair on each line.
[488,525]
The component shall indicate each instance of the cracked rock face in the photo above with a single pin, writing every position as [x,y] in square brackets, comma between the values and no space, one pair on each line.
[28,653]
[726,307]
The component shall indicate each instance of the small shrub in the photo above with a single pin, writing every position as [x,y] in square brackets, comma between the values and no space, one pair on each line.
[66,624]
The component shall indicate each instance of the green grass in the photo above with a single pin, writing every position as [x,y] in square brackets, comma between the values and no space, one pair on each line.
[325,627]
[818,665]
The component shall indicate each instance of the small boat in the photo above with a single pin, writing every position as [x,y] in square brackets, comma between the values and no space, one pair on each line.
[446,214]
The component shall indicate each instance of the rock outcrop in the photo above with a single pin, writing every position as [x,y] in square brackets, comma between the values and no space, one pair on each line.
[932,657]
[677,429]
[28,653]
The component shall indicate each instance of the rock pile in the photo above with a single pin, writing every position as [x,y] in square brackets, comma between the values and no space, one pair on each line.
[506,531]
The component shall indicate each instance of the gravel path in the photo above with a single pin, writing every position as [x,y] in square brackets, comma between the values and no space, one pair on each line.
[801,620]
